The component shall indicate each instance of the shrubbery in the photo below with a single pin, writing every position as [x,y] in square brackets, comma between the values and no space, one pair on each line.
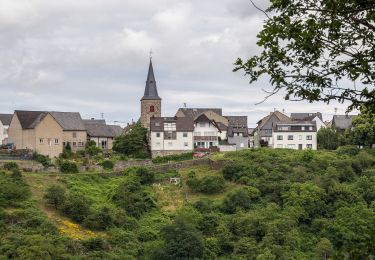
[208,184]
[44,160]
[107,165]
[68,167]
[10,166]
[176,157]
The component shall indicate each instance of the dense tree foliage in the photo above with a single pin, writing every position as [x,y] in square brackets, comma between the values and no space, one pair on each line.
[328,138]
[312,48]
[276,204]
[134,143]
[363,132]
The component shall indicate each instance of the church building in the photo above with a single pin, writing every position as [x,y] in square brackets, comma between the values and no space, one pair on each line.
[150,102]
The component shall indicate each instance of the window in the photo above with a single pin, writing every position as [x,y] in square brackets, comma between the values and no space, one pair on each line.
[152,109]
[202,124]
[310,128]
[291,146]
[290,137]
[302,128]
[279,137]
[186,144]
[158,135]
[74,144]
[104,144]
[282,128]
[209,134]
[169,126]
[56,141]
[308,137]
[74,134]
[309,146]
[41,141]
[268,131]
[185,135]
[157,124]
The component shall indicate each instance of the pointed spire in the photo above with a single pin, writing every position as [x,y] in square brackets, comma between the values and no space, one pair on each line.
[151,91]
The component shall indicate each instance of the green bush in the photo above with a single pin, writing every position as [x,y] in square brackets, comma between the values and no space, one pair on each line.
[55,195]
[68,167]
[230,171]
[348,150]
[145,175]
[107,165]
[77,207]
[207,185]
[176,157]
[100,220]
[10,166]
[44,160]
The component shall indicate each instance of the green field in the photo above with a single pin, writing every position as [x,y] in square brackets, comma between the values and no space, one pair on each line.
[264,204]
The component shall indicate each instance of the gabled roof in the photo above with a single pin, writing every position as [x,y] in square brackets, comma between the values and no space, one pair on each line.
[6,118]
[99,130]
[182,123]
[195,112]
[342,121]
[69,121]
[237,124]
[94,121]
[278,114]
[116,129]
[204,117]
[30,119]
[306,116]
[151,91]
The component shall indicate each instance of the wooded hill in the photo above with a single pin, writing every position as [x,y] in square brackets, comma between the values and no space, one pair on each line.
[264,204]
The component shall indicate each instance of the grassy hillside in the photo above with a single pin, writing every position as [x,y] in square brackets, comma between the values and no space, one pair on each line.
[264,204]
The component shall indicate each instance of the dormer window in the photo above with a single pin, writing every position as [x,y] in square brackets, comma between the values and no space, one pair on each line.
[152,108]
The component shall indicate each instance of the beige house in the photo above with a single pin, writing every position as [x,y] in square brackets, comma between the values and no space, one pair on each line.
[46,132]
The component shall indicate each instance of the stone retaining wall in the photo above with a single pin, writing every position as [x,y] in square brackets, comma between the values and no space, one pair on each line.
[120,166]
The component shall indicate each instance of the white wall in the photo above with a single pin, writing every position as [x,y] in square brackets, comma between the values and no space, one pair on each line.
[319,123]
[298,138]
[207,130]
[2,133]
[159,144]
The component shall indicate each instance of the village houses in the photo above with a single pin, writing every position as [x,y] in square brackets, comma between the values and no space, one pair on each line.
[4,125]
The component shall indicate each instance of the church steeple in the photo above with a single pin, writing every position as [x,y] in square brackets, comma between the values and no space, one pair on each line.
[150,102]
[151,91]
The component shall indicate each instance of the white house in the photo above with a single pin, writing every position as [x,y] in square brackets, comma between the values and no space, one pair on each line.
[295,135]
[171,135]
[5,120]
[206,132]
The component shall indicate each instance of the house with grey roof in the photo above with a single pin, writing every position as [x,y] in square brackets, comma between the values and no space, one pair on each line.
[263,132]
[342,122]
[231,131]
[46,132]
[317,117]
[5,120]
[171,135]
[101,133]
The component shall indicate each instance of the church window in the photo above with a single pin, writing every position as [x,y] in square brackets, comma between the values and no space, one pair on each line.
[152,108]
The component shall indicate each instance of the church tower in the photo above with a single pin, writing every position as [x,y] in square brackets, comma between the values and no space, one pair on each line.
[150,102]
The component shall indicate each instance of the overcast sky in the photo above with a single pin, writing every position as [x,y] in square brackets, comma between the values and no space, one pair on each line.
[92,56]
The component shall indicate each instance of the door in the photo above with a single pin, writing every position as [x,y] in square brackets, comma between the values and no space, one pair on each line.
[300,147]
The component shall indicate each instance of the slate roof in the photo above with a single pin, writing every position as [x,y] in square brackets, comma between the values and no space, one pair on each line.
[30,119]
[94,121]
[98,130]
[151,91]
[183,124]
[237,124]
[295,126]
[342,121]
[195,112]
[6,118]
[117,130]
[306,116]
[69,121]
[278,114]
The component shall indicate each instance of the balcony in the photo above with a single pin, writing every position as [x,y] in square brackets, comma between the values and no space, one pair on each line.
[206,138]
